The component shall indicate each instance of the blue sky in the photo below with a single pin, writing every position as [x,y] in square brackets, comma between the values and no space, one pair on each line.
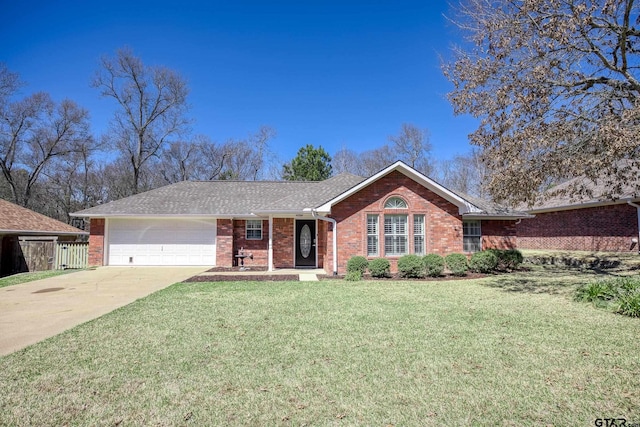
[330,73]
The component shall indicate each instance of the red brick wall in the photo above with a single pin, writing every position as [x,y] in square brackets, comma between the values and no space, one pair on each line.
[283,243]
[259,248]
[443,224]
[224,243]
[498,234]
[604,228]
[321,244]
[96,242]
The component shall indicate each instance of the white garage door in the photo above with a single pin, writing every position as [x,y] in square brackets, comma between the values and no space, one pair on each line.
[162,241]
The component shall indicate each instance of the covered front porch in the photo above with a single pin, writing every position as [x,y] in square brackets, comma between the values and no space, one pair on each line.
[301,241]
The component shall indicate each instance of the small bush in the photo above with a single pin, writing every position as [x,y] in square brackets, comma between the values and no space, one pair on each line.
[357,263]
[353,276]
[509,259]
[380,267]
[410,266]
[483,262]
[433,265]
[457,264]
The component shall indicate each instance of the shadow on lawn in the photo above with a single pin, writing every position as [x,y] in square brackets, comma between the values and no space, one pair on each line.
[549,279]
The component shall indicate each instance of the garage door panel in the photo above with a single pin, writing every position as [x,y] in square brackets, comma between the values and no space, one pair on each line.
[162,242]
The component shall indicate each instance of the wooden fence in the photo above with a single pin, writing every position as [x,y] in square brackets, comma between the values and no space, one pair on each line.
[71,255]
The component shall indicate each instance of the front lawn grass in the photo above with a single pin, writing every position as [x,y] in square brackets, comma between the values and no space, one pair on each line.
[19,278]
[469,352]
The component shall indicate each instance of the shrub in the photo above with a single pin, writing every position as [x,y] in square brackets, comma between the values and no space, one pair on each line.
[483,262]
[596,292]
[433,265]
[621,294]
[353,276]
[410,266]
[629,304]
[457,264]
[509,259]
[357,263]
[379,267]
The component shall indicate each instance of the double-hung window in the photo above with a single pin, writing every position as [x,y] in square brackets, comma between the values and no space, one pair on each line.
[418,235]
[471,236]
[395,235]
[372,235]
[254,229]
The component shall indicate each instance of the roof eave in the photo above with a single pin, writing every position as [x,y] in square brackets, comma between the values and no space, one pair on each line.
[45,232]
[515,217]
[593,204]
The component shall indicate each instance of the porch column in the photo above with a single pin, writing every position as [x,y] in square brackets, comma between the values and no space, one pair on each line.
[270,248]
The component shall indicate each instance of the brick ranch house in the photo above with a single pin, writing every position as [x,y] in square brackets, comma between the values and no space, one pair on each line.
[587,224]
[288,224]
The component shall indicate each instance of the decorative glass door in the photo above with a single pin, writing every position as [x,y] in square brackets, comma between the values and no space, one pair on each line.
[305,243]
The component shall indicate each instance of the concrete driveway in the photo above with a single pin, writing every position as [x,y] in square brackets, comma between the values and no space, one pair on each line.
[33,311]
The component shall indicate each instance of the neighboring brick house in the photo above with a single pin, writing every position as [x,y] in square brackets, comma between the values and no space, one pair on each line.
[27,239]
[295,224]
[586,224]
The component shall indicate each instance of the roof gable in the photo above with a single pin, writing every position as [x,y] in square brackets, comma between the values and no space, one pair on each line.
[16,219]
[464,206]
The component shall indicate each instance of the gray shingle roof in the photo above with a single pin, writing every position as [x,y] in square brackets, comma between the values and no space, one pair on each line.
[490,208]
[243,198]
[16,219]
[562,196]
[226,198]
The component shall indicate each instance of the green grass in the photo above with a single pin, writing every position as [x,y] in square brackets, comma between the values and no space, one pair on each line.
[19,278]
[494,351]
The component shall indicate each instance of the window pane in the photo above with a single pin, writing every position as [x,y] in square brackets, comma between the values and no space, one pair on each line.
[472,236]
[395,234]
[395,203]
[254,229]
[418,234]
[372,235]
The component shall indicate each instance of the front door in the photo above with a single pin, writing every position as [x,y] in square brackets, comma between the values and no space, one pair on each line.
[306,243]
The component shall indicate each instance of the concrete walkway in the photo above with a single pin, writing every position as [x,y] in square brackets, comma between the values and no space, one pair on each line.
[33,311]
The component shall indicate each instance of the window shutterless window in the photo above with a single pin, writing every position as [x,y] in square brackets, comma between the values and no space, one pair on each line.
[395,235]
[372,235]
[418,234]
[395,203]
[254,229]
[471,236]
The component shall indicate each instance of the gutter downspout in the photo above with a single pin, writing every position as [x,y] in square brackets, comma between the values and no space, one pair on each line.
[270,243]
[638,209]
[335,238]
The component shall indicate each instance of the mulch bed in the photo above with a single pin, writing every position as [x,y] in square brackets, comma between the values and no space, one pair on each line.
[244,278]
[396,277]
[295,277]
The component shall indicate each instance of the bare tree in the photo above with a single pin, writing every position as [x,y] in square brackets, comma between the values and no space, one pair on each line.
[412,146]
[555,84]
[34,132]
[204,159]
[152,103]
[73,183]
[464,173]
